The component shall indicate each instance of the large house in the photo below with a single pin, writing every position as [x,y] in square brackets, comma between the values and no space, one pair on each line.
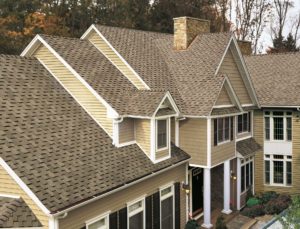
[133,129]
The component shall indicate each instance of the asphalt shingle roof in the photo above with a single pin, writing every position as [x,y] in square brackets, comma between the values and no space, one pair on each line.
[54,146]
[247,147]
[14,213]
[276,78]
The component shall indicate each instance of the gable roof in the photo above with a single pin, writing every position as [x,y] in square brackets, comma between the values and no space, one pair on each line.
[276,78]
[15,213]
[55,147]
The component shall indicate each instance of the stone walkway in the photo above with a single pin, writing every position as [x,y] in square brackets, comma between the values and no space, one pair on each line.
[240,222]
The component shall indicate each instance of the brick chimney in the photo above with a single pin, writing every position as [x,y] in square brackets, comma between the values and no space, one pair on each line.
[186,29]
[245,47]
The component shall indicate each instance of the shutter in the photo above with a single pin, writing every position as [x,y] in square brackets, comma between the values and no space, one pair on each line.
[177,205]
[231,129]
[149,212]
[113,220]
[249,121]
[215,132]
[156,210]
[123,218]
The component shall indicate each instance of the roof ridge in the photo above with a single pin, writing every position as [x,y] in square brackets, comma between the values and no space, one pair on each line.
[274,54]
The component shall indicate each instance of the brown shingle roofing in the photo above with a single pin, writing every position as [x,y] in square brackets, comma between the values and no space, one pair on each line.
[14,213]
[247,147]
[276,78]
[188,75]
[54,146]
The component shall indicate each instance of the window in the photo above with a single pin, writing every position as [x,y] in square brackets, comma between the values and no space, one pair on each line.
[136,215]
[222,129]
[278,126]
[167,207]
[244,123]
[246,173]
[278,170]
[162,130]
[100,222]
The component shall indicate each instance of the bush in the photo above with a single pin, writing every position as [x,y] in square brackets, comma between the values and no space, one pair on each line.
[254,211]
[267,196]
[253,202]
[276,206]
[192,224]
[220,224]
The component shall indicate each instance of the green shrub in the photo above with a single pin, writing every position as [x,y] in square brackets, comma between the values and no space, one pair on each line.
[253,202]
[276,206]
[254,211]
[192,224]
[220,224]
[267,196]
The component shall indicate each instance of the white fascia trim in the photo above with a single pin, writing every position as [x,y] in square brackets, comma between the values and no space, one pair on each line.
[10,196]
[40,39]
[198,166]
[45,66]
[174,106]
[23,186]
[225,115]
[224,54]
[247,105]
[31,47]
[93,27]
[224,106]
[122,187]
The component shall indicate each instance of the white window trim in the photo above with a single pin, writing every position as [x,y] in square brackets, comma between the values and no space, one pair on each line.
[161,198]
[129,214]
[247,131]
[244,163]
[284,116]
[167,137]
[104,216]
[271,160]
[225,141]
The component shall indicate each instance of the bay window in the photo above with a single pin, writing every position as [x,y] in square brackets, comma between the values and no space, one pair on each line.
[167,207]
[244,123]
[278,169]
[223,130]
[246,173]
[136,216]
[278,125]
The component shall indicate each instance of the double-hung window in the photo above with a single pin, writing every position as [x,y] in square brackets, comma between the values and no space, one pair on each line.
[100,222]
[244,123]
[246,173]
[136,215]
[278,169]
[161,134]
[167,207]
[223,130]
[278,126]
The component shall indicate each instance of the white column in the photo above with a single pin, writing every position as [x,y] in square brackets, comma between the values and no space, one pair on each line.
[207,199]
[238,184]
[226,209]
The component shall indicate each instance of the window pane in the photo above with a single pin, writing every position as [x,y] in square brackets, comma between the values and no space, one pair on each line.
[279,113]
[267,128]
[289,173]
[240,123]
[97,225]
[243,178]
[267,172]
[247,175]
[136,221]
[161,133]
[251,173]
[220,130]
[278,172]
[278,128]
[167,213]
[289,129]
[245,122]
[166,191]
[135,206]
[226,129]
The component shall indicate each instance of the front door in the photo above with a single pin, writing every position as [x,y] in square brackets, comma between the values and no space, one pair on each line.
[197,191]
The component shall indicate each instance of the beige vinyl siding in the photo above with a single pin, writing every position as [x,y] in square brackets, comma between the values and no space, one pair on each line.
[143,134]
[161,154]
[223,98]
[221,152]
[193,139]
[9,186]
[79,91]
[99,43]
[229,67]
[114,202]
[126,130]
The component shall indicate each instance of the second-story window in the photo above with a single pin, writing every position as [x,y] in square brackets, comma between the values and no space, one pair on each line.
[162,136]
[244,123]
[278,126]
[223,130]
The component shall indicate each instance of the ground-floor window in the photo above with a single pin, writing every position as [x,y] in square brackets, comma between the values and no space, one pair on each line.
[246,173]
[136,215]
[167,207]
[278,169]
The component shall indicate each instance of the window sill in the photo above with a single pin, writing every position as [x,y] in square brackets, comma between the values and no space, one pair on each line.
[279,185]
[222,143]
[162,149]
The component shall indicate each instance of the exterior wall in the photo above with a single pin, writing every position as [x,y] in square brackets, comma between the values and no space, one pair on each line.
[82,94]
[126,130]
[143,134]
[222,152]
[9,186]
[224,98]
[193,139]
[217,184]
[230,68]
[161,154]
[76,218]
[99,43]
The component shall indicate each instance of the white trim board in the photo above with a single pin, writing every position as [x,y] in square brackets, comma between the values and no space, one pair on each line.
[24,187]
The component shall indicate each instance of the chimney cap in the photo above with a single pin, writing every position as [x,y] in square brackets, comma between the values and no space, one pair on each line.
[193,18]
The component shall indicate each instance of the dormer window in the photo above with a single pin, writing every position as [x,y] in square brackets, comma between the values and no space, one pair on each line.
[161,134]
